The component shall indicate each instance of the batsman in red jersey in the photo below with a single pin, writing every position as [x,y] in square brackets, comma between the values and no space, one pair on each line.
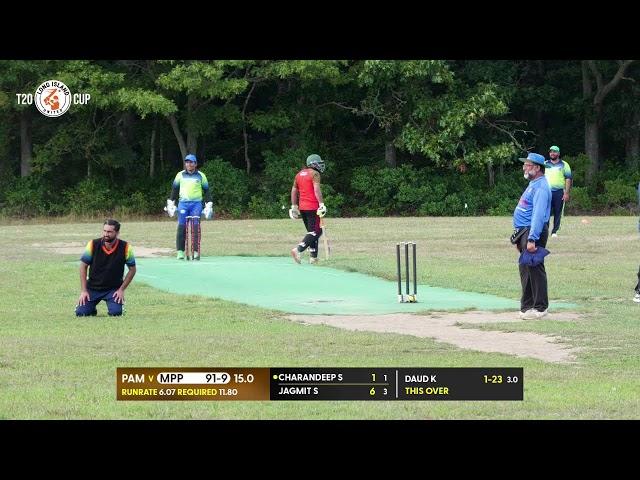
[309,206]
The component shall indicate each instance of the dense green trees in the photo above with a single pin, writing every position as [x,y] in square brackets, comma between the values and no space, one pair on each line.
[414,137]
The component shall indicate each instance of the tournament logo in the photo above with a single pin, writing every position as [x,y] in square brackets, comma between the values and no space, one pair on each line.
[52,98]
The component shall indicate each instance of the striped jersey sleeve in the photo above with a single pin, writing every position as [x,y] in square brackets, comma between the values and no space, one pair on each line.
[87,256]
[205,182]
[176,181]
[129,258]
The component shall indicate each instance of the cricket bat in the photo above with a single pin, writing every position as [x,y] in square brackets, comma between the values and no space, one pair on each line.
[325,240]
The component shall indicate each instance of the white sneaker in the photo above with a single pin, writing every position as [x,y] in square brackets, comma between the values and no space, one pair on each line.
[534,314]
[313,260]
[522,314]
[295,254]
[554,235]
[636,298]
[541,314]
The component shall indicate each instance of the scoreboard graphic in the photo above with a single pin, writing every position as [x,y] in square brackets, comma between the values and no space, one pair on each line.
[276,384]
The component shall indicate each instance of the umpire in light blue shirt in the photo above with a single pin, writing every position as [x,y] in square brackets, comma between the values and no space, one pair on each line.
[531,230]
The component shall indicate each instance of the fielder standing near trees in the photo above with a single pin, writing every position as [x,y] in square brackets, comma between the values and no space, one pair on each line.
[190,186]
[310,206]
[558,173]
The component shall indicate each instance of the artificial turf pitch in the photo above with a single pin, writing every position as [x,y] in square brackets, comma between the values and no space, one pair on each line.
[278,283]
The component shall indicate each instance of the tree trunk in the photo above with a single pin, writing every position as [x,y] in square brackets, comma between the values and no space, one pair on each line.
[192,134]
[593,114]
[152,155]
[632,146]
[6,169]
[541,117]
[390,156]
[247,160]
[26,151]
[245,136]
[491,175]
[592,147]
[124,128]
[178,134]
[192,141]
[202,150]
[590,123]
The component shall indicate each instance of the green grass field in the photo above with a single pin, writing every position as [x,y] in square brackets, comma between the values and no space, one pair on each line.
[56,366]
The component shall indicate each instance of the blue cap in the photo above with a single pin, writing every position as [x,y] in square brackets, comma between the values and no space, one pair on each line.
[534,158]
[191,158]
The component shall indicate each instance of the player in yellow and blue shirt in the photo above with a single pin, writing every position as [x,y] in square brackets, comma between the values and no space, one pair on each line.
[558,173]
[190,186]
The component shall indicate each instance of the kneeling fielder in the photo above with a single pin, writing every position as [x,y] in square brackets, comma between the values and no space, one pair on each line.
[105,259]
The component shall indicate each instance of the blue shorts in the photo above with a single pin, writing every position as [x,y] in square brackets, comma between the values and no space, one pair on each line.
[189,208]
[96,296]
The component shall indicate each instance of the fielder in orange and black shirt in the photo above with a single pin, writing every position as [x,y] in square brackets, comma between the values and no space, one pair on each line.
[105,259]
[306,202]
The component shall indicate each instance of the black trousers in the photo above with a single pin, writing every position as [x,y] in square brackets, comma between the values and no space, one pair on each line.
[312,224]
[638,284]
[534,279]
[556,208]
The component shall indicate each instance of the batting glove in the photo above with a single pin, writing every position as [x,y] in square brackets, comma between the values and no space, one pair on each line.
[322,210]
[208,210]
[170,208]
[294,212]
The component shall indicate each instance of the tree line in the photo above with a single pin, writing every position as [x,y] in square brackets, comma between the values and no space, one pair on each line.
[407,137]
